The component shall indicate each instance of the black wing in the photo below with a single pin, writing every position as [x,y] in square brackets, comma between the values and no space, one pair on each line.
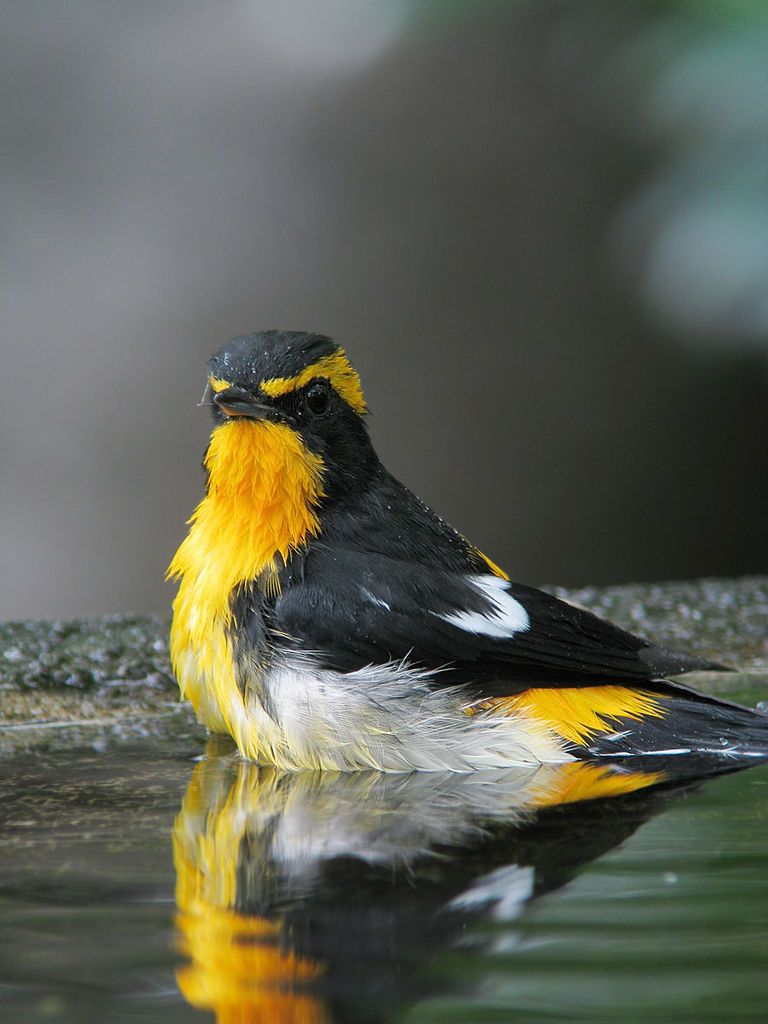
[359,607]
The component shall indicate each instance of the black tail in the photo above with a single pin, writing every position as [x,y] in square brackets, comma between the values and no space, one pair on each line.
[688,723]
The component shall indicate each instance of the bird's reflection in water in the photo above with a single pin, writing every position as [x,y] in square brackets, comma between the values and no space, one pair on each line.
[319,897]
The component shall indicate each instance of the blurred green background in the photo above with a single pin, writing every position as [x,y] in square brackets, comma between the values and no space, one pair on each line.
[539,229]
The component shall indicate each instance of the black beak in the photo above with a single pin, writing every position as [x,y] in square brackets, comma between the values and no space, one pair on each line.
[236,402]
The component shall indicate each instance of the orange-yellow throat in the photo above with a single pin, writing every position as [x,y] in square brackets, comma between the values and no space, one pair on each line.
[263,491]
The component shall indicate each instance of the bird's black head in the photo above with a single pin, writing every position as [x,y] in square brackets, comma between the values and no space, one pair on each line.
[303,381]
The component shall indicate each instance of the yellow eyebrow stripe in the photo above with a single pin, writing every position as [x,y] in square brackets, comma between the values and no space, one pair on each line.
[217,384]
[336,368]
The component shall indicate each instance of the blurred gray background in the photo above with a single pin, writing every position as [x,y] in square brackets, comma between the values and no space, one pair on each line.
[539,229]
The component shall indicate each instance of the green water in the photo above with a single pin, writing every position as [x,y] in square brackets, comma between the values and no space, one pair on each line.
[370,898]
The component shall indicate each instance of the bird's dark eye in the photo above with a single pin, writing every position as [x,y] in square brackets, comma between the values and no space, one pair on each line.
[318,397]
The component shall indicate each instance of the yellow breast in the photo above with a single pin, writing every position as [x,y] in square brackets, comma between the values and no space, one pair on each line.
[263,491]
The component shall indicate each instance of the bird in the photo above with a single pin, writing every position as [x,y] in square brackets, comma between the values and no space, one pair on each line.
[327,619]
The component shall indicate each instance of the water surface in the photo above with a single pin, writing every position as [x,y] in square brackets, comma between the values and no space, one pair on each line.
[155,883]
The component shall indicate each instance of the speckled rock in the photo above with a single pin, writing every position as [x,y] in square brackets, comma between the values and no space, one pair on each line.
[96,681]
[87,682]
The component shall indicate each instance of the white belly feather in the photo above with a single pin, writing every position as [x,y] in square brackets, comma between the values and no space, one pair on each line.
[384,717]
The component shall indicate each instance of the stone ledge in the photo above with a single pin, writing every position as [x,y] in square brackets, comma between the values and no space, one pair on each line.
[90,682]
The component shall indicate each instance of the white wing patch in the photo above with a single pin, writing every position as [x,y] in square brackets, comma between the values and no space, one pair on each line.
[370,596]
[506,618]
[507,889]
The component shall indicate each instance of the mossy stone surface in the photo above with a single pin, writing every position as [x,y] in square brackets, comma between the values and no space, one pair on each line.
[93,682]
